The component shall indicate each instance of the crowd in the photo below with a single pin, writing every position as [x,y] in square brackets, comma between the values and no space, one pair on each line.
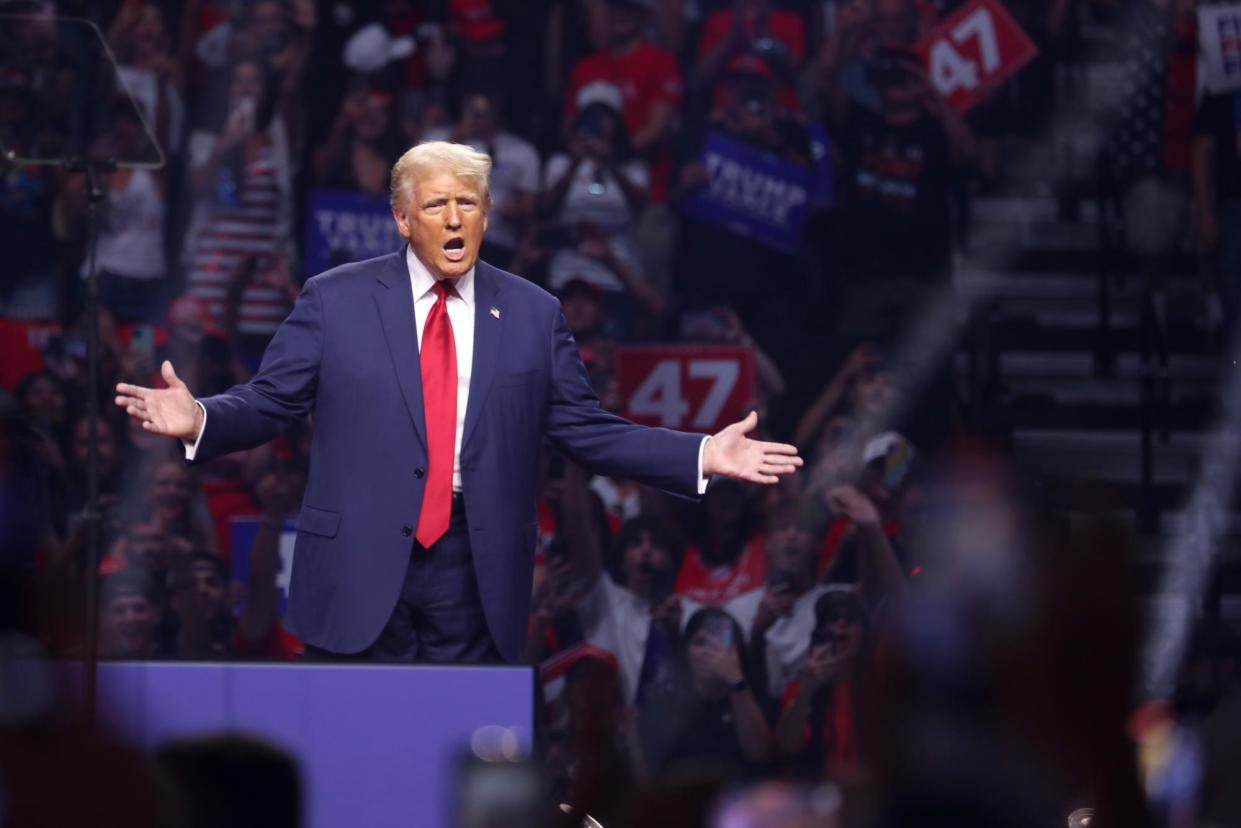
[761,631]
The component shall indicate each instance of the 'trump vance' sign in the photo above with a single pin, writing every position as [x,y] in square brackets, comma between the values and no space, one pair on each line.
[752,193]
[347,227]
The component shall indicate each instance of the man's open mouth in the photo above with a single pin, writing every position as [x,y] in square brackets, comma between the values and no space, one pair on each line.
[454,249]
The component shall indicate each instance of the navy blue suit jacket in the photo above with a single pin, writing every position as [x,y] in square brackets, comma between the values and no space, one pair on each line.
[348,355]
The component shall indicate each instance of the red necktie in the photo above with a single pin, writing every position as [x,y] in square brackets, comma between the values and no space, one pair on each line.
[438,357]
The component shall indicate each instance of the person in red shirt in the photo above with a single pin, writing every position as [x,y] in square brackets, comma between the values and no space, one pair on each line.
[728,557]
[752,29]
[649,81]
[144,545]
[818,718]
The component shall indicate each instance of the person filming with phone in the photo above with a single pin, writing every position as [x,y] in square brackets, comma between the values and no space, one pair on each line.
[707,715]
[241,176]
[779,615]
[818,724]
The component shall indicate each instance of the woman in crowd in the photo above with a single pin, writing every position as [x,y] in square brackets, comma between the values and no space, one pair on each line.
[707,716]
[361,147]
[818,725]
[241,177]
[146,64]
[595,193]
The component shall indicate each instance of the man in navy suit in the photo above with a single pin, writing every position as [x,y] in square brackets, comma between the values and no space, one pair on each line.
[416,536]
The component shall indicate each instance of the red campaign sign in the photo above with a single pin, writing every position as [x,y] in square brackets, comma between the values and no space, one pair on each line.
[688,387]
[978,47]
[22,344]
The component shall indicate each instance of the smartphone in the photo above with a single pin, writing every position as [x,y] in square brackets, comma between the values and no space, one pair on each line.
[896,464]
[142,346]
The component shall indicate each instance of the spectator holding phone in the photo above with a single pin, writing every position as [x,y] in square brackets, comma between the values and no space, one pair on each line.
[594,193]
[359,150]
[779,616]
[647,77]
[173,502]
[708,717]
[146,545]
[864,518]
[753,29]
[241,177]
[818,726]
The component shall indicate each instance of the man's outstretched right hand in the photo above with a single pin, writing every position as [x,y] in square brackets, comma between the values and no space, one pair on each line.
[169,411]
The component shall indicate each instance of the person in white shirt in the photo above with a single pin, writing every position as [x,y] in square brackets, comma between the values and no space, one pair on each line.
[596,191]
[778,617]
[514,170]
[638,619]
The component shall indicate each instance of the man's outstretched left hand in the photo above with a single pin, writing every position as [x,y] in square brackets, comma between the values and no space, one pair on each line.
[732,454]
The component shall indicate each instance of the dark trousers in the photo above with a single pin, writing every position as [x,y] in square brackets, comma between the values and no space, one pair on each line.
[439,616]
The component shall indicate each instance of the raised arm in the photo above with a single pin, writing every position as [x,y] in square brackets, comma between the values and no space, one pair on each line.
[879,572]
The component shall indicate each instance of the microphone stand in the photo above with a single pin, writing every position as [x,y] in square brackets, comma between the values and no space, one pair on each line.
[96,171]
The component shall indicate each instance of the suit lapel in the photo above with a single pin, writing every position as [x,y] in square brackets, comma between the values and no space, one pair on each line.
[394,299]
[488,332]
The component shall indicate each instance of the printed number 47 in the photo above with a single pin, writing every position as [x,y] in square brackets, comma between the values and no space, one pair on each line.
[951,71]
[659,395]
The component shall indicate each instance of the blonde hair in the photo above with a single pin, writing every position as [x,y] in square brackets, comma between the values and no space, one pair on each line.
[462,161]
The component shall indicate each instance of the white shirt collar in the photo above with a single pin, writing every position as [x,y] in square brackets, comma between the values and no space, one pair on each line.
[423,282]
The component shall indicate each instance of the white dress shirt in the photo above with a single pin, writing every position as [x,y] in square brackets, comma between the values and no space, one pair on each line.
[461,314]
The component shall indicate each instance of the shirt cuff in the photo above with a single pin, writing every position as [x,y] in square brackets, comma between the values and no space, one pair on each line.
[702,481]
[192,448]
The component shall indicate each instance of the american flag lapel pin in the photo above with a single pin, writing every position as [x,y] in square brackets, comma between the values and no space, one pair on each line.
[495,311]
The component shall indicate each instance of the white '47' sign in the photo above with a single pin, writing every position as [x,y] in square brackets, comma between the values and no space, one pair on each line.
[978,47]
[687,387]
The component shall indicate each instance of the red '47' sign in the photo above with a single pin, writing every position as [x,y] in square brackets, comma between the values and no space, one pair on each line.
[688,387]
[979,46]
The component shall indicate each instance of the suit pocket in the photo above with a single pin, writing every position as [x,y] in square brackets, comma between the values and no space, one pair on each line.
[317,521]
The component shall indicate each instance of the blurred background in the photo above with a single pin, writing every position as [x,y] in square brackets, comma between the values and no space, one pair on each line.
[980,260]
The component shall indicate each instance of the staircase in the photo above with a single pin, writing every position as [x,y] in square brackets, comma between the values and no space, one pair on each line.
[1081,404]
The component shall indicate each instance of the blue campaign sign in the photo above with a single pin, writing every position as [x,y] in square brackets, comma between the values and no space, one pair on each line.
[347,227]
[241,533]
[754,193]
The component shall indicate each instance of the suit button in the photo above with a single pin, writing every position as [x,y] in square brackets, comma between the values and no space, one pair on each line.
[407,531]
[419,472]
